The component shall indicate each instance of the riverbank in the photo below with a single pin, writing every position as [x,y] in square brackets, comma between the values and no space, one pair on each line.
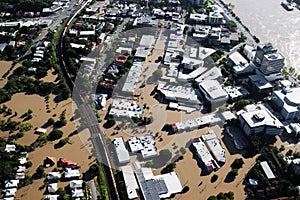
[270,22]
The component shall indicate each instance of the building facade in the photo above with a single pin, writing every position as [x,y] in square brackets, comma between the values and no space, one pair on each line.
[288,102]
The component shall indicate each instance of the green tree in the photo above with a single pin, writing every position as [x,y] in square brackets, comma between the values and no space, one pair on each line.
[214,178]
[165,155]
[55,134]
[238,163]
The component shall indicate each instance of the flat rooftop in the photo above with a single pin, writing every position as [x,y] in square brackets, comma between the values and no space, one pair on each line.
[213,89]
[130,182]
[261,117]
[265,166]
[122,152]
[123,108]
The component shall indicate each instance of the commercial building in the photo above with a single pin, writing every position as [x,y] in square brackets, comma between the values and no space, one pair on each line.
[237,59]
[204,155]
[214,93]
[147,41]
[130,182]
[157,187]
[178,93]
[144,145]
[214,146]
[268,59]
[122,152]
[196,123]
[196,18]
[260,121]
[211,74]
[259,85]
[262,50]
[236,92]
[288,102]
[132,78]
[272,63]
[123,108]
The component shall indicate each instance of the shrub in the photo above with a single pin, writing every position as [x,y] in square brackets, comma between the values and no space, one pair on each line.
[182,150]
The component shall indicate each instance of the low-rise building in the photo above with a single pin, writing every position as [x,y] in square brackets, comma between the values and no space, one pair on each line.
[211,74]
[52,187]
[71,173]
[266,168]
[196,123]
[132,78]
[130,182]
[157,187]
[123,108]
[144,145]
[10,148]
[122,152]
[214,145]
[178,93]
[11,183]
[52,197]
[295,165]
[76,184]
[215,18]
[53,175]
[236,92]
[204,155]
[198,18]
[147,41]
[9,192]
[260,121]
[77,193]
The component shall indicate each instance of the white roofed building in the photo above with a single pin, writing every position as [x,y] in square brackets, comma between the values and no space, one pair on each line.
[214,93]
[71,173]
[288,102]
[122,152]
[147,41]
[157,187]
[53,175]
[11,183]
[10,148]
[266,168]
[178,93]
[204,155]
[123,108]
[76,184]
[130,182]
[144,145]
[260,121]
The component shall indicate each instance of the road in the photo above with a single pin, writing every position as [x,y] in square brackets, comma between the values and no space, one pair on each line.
[57,19]
[87,113]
